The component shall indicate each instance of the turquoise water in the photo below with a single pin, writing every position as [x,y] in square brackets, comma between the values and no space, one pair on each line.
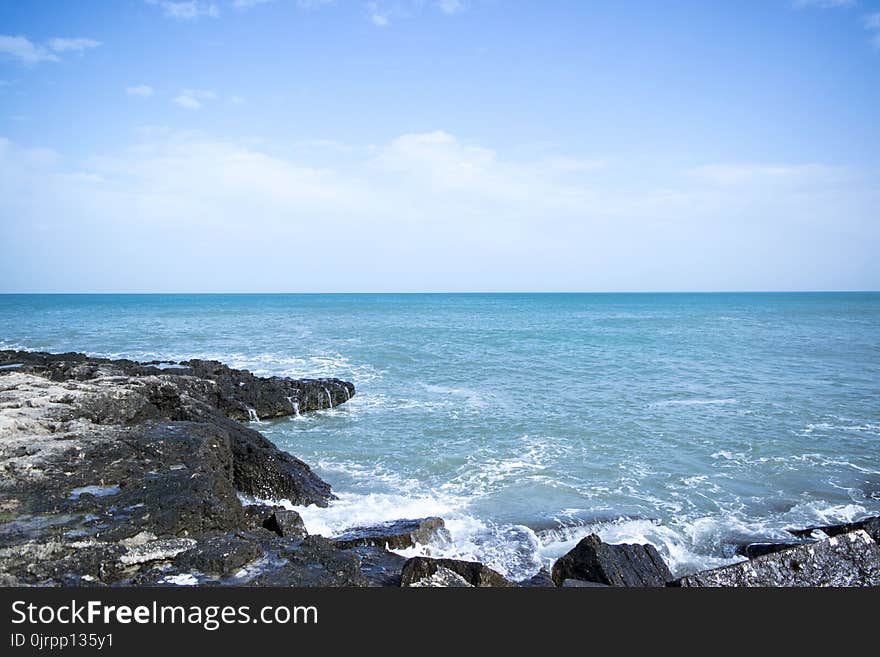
[693,421]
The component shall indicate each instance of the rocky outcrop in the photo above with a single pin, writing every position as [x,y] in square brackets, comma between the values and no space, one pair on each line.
[591,560]
[115,472]
[474,573]
[237,394]
[851,559]
[396,535]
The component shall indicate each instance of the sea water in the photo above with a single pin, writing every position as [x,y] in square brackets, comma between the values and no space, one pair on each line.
[694,422]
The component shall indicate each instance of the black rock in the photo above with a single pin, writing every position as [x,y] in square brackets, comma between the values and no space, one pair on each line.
[378,566]
[845,560]
[285,522]
[541,579]
[753,550]
[256,515]
[870,525]
[221,554]
[399,534]
[591,560]
[581,584]
[473,572]
[315,561]
[108,465]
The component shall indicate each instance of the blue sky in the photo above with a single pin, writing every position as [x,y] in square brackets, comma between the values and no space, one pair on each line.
[451,145]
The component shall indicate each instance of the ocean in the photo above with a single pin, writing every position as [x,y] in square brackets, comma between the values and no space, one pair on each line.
[695,422]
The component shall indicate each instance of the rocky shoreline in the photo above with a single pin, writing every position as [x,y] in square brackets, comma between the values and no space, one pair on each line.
[119,473]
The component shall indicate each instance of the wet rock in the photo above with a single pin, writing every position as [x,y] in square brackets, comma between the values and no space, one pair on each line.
[221,554]
[315,561]
[285,522]
[581,584]
[256,515]
[442,578]
[399,534]
[851,559]
[870,525]
[473,572]
[541,579]
[108,466]
[379,566]
[591,560]
[262,470]
[161,550]
[753,550]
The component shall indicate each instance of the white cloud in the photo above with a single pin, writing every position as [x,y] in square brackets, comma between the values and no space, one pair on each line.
[75,45]
[186,11]
[426,211]
[193,99]
[379,15]
[141,90]
[451,6]
[24,50]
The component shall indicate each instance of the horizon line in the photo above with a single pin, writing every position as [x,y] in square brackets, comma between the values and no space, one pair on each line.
[447,293]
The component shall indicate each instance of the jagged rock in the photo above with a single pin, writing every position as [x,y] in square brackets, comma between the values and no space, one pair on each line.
[870,525]
[161,550]
[591,560]
[220,554]
[379,566]
[442,578]
[285,522]
[315,561]
[256,516]
[473,572]
[399,534]
[581,584]
[845,560]
[262,470]
[235,393]
[107,465]
[541,579]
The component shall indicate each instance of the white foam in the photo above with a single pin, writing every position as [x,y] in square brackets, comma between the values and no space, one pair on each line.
[184,579]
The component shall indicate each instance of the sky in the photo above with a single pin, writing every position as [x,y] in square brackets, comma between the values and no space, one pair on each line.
[439,145]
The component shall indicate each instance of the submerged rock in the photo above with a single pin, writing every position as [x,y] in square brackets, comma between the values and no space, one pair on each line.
[591,560]
[473,572]
[399,534]
[851,559]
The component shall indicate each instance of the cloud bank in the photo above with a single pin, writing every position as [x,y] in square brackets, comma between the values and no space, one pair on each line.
[426,211]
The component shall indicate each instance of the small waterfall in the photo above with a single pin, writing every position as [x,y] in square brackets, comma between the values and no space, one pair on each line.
[329,398]
[294,404]
[347,393]
[252,415]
